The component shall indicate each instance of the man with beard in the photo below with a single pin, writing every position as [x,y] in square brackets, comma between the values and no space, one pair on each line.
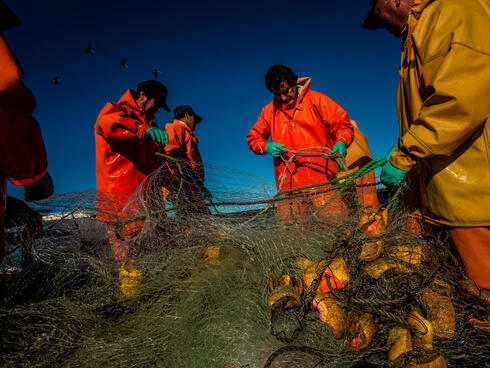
[299,118]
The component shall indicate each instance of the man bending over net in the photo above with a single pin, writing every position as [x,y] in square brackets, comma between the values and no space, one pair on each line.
[306,128]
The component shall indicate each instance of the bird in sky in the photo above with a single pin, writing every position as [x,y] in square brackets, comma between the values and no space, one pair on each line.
[56,80]
[156,72]
[123,64]
[90,49]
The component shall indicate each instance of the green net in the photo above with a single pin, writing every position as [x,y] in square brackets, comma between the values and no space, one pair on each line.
[206,260]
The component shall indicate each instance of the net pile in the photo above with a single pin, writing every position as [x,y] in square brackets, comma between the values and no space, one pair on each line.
[209,261]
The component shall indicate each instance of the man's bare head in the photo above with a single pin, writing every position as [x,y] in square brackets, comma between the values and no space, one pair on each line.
[282,82]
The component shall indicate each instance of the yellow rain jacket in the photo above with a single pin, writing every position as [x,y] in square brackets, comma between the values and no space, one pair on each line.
[443,110]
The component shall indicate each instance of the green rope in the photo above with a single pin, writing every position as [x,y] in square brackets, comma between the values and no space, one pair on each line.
[341,181]
[340,184]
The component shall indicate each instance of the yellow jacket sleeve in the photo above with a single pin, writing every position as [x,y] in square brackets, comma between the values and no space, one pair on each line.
[455,88]
[456,106]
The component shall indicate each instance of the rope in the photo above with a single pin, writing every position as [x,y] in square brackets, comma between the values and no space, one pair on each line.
[306,152]
[344,180]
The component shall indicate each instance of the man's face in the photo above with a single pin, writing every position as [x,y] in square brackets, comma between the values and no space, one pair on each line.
[191,121]
[393,15]
[150,106]
[286,94]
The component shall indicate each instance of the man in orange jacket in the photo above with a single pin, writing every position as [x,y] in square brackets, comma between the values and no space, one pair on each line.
[23,157]
[126,140]
[182,144]
[296,119]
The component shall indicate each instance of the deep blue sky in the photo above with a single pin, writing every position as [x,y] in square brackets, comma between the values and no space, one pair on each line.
[213,56]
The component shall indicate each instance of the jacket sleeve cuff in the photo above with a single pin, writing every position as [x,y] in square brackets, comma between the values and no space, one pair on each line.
[141,130]
[401,160]
[342,139]
[31,180]
[345,138]
[262,145]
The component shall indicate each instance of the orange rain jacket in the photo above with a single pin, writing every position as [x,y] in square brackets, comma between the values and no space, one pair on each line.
[23,158]
[182,143]
[124,155]
[314,121]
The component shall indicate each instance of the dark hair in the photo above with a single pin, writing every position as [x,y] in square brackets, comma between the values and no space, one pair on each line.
[277,74]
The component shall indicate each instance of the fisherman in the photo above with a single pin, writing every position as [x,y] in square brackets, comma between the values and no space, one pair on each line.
[23,159]
[443,110]
[126,140]
[299,118]
[183,145]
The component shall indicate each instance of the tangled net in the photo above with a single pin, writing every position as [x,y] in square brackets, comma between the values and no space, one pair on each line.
[207,262]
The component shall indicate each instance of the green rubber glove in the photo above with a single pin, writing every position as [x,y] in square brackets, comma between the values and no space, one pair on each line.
[275,149]
[392,176]
[340,148]
[41,189]
[158,135]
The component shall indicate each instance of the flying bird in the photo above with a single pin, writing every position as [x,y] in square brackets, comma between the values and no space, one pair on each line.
[90,49]
[156,72]
[56,80]
[123,64]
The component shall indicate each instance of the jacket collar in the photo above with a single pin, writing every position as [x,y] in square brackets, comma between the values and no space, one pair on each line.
[180,122]
[414,14]
[303,87]
[417,7]
[128,100]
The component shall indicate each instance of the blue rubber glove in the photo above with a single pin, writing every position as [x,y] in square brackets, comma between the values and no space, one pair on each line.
[340,148]
[392,176]
[275,149]
[156,134]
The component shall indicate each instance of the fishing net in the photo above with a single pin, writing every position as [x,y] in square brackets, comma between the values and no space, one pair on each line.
[218,276]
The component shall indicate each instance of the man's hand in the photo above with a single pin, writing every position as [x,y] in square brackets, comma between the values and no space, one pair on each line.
[275,149]
[392,176]
[41,189]
[339,148]
[156,134]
